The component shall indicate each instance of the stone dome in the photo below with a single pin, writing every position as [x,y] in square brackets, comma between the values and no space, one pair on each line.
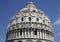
[28,19]
[30,14]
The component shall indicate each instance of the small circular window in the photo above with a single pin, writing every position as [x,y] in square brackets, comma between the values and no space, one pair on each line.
[33,10]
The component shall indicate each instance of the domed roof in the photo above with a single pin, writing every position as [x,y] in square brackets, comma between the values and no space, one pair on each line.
[28,16]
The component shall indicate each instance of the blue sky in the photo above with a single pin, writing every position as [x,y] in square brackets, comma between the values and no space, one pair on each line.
[8,8]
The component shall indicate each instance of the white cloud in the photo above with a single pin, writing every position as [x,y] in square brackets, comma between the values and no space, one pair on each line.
[57,22]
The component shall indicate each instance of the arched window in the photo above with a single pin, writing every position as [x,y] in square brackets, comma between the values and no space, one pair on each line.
[35,32]
[38,41]
[29,18]
[17,25]
[20,31]
[44,21]
[22,19]
[41,24]
[29,41]
[37,19]
[20,41]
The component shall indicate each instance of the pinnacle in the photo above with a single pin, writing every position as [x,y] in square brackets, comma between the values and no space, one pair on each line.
[30,5]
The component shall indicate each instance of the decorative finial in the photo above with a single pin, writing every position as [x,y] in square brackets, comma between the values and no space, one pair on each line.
[30,5]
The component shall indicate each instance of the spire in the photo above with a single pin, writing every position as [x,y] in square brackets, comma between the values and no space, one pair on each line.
[30,5]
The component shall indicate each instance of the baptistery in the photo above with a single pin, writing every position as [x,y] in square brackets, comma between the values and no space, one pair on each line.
[30,25]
